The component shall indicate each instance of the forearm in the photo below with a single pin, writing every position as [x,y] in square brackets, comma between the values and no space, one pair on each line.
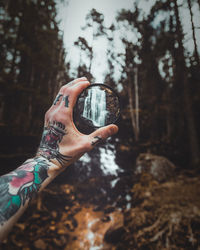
[19,186]
[61,145]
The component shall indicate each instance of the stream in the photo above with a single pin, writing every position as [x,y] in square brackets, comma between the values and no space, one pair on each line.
[105,195]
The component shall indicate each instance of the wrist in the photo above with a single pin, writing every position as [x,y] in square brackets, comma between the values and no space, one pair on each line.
[54,167]
[54,156]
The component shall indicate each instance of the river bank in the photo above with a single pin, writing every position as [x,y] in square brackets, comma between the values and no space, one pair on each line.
[101,203]
[82,215]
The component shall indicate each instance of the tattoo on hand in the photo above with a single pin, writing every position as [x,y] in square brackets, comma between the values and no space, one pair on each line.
[21,185]
[96,140]
[49,146]
[57,99]
[66,99]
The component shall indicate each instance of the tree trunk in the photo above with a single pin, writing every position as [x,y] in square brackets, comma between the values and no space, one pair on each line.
[131,107]
[91,53]
[194,146]
[193,33]
[15,47]
[192,133]
[136,102]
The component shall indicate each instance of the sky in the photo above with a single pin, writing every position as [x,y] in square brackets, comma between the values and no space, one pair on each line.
[72,18]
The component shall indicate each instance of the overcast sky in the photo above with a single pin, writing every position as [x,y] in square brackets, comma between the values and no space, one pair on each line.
[72,17]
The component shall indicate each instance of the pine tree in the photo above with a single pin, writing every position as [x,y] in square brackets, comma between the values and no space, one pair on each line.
[33,62]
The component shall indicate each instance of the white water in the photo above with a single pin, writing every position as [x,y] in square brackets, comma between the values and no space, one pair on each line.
[107,161]
[95,107]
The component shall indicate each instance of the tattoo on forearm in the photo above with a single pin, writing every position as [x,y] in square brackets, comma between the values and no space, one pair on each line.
[96,140]
[21,185]
[57,99]
[49,146]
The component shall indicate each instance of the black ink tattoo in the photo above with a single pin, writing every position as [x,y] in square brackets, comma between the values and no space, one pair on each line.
[21,185]
[96,140]
[57,99]
[49,146]
[66,99]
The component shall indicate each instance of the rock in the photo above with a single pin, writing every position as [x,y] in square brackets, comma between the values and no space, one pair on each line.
[105,218]
[109,210]
[124,148]
[20,225]
[116,229]
[40,244]
[114,235]
[159,167]
[54,214]
[169,214]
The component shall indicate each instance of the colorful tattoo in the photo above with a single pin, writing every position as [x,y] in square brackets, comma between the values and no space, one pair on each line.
[57,99]
[66,99]
[96,140]
[49,146]
[21,185]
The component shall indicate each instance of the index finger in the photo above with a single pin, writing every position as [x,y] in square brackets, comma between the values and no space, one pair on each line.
[72,83]
[71,94]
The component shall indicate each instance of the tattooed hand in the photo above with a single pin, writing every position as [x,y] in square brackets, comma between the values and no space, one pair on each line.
[61,142]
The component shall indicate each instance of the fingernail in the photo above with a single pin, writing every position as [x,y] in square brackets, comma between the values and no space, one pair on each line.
[113,130]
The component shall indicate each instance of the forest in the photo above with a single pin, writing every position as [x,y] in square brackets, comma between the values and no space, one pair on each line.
[152,202]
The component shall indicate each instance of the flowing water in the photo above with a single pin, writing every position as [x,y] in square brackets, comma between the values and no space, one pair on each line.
[91,232]
[95,107]
[107,162]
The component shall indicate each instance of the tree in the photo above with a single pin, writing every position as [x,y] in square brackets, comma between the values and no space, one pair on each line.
[94,22]
[182,74]
[141,56]
[193,33]
[165,96]
[33,62]
[82,44]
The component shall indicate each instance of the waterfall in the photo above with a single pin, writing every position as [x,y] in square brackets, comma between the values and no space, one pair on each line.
[95,107]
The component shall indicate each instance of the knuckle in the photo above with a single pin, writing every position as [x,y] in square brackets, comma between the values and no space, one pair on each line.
[67,91]
[87,146]
[62,88]
[83,78]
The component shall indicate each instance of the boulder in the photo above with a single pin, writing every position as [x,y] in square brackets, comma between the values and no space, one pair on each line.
[159,167]
[114,235]
[116,229]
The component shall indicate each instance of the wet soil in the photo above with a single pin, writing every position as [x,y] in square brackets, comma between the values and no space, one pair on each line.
[68,216]
[84,208]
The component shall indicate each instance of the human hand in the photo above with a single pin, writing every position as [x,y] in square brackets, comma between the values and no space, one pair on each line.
[61,142]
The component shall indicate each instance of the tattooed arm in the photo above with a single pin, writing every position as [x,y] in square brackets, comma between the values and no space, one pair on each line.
[61,145]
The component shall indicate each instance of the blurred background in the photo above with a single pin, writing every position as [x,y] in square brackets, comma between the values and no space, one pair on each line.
[140,189]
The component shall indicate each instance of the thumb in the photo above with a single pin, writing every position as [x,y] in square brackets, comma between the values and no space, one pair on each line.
[102,134]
